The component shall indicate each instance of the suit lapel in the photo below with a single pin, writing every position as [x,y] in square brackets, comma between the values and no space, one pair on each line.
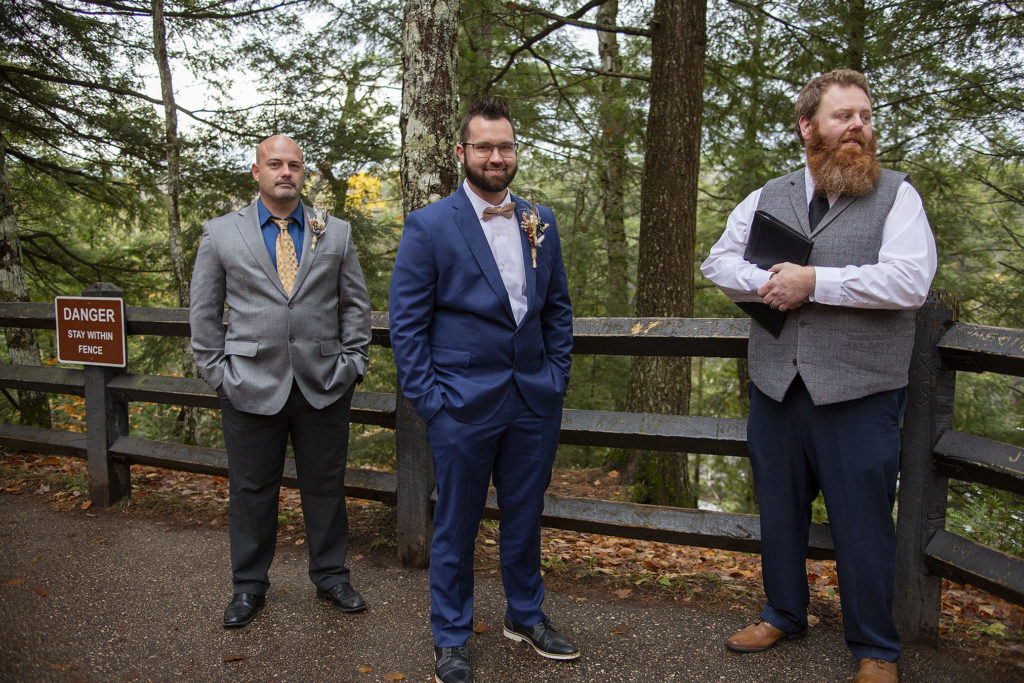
[531,273]
[306,261]
[248,225]
[798,196]
[469,225]
[833,211]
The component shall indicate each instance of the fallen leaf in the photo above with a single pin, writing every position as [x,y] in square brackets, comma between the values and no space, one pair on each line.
[481,627]
[812,620]
[395,676]
[33,560]
[61,667]
[621,629]
[363,669]
[623,593]
[15,582]
[234,658]
[133,676]
[86,505]
[40,591]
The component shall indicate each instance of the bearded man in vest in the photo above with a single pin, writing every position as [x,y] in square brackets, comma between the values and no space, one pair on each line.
[827,395]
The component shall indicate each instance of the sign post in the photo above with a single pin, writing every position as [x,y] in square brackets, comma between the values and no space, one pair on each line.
[91,331]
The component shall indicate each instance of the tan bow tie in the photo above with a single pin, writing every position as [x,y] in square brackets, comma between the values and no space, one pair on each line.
[284,251]
[506,210]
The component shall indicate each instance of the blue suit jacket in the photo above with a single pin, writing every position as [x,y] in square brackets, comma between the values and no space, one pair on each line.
[455,342]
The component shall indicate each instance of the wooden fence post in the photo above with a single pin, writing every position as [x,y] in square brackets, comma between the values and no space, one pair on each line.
[922,493]
[415,472]
[106,419]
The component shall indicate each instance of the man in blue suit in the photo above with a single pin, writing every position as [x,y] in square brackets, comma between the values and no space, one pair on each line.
[481,328]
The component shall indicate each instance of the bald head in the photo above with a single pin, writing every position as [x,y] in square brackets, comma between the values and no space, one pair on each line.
[280,173]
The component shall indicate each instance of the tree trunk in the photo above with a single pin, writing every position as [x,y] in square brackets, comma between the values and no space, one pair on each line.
[611,164]
[668,220]
[188,415]
[21,343]
[429,107]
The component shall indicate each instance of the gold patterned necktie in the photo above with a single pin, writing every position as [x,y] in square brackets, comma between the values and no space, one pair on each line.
[506,210]
[284,250]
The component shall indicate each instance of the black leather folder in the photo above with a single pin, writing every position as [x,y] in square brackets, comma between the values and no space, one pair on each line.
[771,241]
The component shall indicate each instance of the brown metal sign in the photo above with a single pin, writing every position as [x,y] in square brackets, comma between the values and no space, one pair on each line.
[90,330]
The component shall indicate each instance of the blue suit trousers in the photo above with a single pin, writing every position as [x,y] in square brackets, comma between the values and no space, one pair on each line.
[517,448]
[850,452]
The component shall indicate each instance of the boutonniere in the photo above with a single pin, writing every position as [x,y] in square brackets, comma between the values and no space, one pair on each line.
[534,230]
[318,226]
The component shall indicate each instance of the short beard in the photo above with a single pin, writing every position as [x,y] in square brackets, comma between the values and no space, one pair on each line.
[489,184]
[843,170]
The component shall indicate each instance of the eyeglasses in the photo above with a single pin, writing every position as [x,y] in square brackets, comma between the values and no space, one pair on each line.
[483,150]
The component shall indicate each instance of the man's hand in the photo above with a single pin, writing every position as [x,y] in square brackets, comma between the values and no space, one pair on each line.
[790,286]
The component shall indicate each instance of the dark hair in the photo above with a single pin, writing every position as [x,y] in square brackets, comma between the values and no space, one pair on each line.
[810,97]
[490,108]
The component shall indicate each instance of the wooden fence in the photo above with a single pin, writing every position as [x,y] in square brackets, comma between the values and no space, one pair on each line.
[932,450]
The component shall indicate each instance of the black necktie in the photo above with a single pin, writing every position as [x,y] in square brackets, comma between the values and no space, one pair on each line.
[817,209]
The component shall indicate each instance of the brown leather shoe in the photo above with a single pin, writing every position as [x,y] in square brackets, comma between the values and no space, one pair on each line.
[759,636]
[876,671]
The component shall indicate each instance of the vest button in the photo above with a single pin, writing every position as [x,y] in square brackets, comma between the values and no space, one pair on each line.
[794,361]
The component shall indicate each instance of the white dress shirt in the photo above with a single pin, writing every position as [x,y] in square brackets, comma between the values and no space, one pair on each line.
[502,235]
[900,279]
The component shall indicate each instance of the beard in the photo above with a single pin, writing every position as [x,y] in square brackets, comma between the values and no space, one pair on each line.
[838,169]
[487,183]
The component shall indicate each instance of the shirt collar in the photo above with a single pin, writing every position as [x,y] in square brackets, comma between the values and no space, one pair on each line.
[479,204]
[265,215]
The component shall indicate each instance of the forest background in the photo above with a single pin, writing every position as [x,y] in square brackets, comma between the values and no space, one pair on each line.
[125,125]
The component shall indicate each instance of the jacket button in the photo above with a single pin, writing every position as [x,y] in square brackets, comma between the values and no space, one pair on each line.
[794,361]
[292,339]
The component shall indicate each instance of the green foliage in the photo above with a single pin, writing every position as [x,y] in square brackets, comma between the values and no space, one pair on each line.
[987,515]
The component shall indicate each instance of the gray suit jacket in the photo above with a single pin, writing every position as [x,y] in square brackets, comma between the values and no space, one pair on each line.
[318,337]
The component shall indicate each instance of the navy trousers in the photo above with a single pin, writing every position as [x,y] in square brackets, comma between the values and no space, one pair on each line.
[850,452]
[256,446]
[517,448]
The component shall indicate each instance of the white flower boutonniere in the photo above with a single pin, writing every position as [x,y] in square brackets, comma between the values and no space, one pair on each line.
[534,230]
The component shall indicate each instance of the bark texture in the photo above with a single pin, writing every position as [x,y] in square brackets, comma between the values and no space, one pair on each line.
[668,220]
[188,416]
[429,106]
[611,164]
[22,348]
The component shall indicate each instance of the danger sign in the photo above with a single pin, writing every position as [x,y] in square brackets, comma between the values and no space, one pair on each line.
[90,330]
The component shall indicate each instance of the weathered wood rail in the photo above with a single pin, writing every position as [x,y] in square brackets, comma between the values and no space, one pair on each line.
[932,451]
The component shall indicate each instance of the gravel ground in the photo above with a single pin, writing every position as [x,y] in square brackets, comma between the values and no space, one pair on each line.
[100,595]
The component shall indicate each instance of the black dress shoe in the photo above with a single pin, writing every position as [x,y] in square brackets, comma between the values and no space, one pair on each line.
[545,639]
[451,665]
[242,609]
[343,597]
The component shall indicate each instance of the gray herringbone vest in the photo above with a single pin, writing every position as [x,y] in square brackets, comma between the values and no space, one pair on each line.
[841,353]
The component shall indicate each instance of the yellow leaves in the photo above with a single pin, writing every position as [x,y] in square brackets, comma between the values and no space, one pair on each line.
[623,593]
[364,192]
[394,676]
[638,328]
[480,627]
[364,669]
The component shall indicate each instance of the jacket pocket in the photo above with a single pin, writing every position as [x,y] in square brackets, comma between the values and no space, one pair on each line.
[330,347]
[241,348]
[441,355]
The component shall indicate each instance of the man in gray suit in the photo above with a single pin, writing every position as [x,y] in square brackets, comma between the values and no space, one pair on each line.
[294,347]
[827,393]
